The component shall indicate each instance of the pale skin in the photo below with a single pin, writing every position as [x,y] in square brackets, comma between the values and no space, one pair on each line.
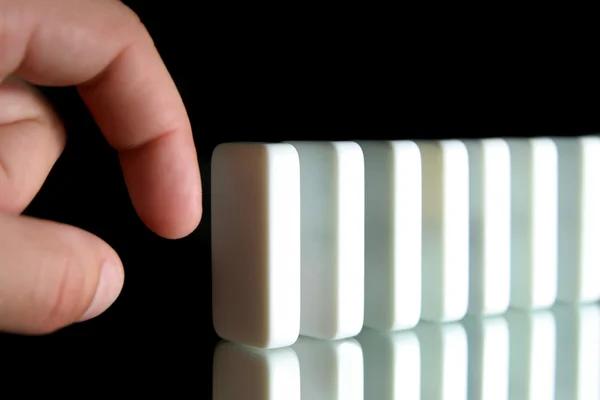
[53,275]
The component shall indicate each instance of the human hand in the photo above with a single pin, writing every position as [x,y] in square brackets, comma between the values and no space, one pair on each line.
[51,274]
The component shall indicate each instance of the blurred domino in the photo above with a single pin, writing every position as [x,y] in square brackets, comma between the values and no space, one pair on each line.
[489,200]
[579,219]
[534,216]
[444,361]
[488,341]
[332,225]
[532,355]
[392,234]
[445,257]
[331,370]
[241,372]
[578,352]
[255,200]
[392,363]
[317,238]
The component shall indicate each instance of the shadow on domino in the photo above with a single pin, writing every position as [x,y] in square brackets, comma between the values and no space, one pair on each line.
[311,369]
[445,230]
[288,241]
[332,199]
[255,204]
[417,232]
[578,219]
[553,222]
[259,234]
[534,223]
[393,184]
[489,226]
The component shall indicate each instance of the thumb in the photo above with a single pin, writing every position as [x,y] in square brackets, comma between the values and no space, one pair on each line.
[52,275]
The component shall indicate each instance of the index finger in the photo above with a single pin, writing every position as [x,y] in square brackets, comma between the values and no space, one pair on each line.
[101,47]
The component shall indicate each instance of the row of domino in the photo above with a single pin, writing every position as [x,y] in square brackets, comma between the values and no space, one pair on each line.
[546,355]
[319,238]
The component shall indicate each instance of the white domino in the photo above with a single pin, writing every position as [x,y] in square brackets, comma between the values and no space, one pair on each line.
[241,372]
[318,239]
[332,225]
[532,355]
[444,361]
[392,362]
[488,341]
[579,219]
[331,370]
[256,243]
[445,256]
[534,220]
[392,234]
[489,184]
[578,352]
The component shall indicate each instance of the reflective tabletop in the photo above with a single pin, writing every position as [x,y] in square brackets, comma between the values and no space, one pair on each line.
[551,354]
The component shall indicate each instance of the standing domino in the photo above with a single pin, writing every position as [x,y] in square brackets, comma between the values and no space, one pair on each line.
[489,186]
[392,234]
[534,216]
[579,219]
[445,280]
[332,226]
[256,243]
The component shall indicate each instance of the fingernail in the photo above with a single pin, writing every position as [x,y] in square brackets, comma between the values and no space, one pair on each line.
[108,289]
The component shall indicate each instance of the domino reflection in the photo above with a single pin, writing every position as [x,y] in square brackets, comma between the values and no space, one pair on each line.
[443,361]
[330,370]
[241,372]
[488,366]
[311,369]
[577,352]
[428,362]
[532,354]
[547,354]
[392,363]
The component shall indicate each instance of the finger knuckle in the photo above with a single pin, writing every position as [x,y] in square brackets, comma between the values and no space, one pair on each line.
[65,295]
[132,20]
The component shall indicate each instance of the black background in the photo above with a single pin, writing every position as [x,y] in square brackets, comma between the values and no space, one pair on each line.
[241,82]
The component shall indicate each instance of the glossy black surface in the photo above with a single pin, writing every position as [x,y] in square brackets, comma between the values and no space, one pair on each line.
[552,354]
